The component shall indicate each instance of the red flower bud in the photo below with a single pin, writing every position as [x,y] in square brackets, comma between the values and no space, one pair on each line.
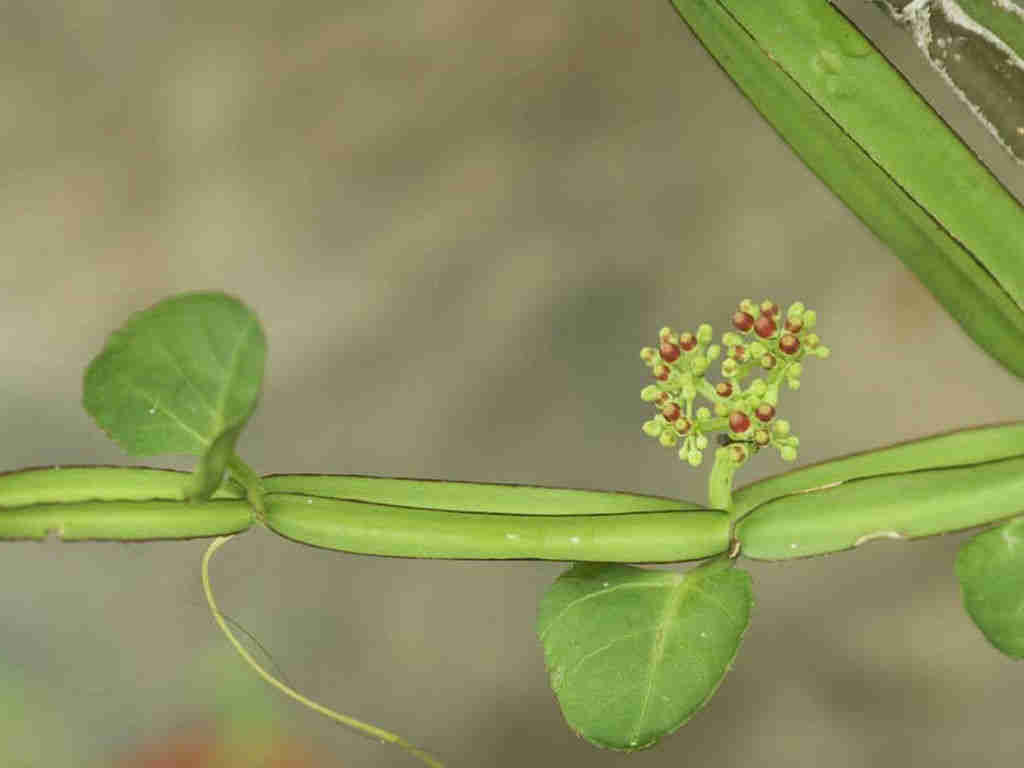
[662,398]
[769,308]
[671,412]
[789,343]
[742,321]
[765,412]
[794,326]
[687,341]
[764,326]
[739,354]
[724,389]
[661,372]
[739,421]
[669,351]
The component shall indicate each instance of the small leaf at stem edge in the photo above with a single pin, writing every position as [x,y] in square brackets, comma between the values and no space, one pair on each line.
[178,375]
[990,569]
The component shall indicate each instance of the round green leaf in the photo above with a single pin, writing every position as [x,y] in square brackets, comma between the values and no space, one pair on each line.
[633,653]
[990,568]
[178,376]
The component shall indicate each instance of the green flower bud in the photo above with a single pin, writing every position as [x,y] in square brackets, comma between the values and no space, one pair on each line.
[738,453]
[648,355]
[689,392]
[811,340]
[761,436]
[796,310]
[704,333]
[730,367]
[665,334]
[767,362]
[694,458]
[822,352]
[721,409]
[732,339]
[757,349]
[668,437]
[652,428]
[699,364]
[758,388]
[795,371]
[781,427]
[788,453]
[649,393]
[713,352]
[703,414]
[794,384]
[810,318]
[749,307]
[701,442]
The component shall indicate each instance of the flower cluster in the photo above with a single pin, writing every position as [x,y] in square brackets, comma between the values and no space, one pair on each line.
[763,341]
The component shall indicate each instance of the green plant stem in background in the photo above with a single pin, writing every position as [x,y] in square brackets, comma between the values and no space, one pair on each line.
[866,133]
[976,47]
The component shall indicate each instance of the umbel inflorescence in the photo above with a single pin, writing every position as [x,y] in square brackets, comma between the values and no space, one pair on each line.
[764,343]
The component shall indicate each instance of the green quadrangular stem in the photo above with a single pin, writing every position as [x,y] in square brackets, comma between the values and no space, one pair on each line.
[380,529]
[114,503]
[920,488]
[857,123]
[935,485]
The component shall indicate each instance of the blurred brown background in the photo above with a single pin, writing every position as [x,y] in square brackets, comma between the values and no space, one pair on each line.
[459,223]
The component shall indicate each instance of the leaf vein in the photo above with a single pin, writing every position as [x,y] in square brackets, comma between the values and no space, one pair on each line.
[658,647]
[232,370]
[162,347]
[583,659]
[148,396]
[597,593]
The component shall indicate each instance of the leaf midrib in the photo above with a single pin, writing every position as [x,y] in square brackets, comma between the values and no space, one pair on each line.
[657,654]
